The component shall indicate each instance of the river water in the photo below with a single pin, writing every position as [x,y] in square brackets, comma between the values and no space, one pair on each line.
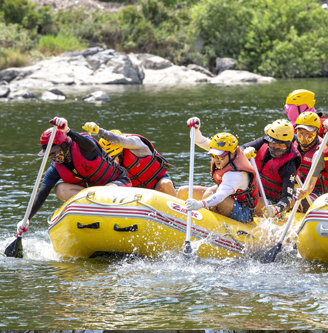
[47,291]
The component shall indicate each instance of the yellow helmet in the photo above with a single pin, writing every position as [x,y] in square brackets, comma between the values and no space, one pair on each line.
[300,97]
[281,131]
[222,142]
[109,148]
[308,120]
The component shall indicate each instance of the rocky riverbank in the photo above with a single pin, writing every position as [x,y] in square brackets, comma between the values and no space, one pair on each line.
[96,66]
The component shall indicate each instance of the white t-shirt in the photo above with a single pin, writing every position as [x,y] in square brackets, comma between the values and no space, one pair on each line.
[231,180]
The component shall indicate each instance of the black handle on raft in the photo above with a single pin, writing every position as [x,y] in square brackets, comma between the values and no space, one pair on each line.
[131,228]
[95,225]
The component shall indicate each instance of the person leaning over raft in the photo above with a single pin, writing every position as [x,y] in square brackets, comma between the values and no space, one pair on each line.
[236,193]
[146,167]
[308,142]
[79,161]
[277,160]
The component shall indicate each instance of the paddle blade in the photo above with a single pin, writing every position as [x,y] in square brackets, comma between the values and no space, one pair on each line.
[15,249]
[187,250]
[270,256]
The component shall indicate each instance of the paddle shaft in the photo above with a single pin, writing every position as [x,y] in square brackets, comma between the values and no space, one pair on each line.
[191,179]
[38,179]
[305,185]
[266,203]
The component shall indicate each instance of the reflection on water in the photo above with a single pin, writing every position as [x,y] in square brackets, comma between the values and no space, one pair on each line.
[45,290]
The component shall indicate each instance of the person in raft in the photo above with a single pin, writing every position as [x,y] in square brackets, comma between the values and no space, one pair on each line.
[145,166]
[77,159]
[308,142]
[277,160]
[298,101]
[236,193]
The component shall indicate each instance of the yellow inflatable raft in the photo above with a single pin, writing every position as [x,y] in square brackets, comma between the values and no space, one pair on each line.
[146,222]
[312,240]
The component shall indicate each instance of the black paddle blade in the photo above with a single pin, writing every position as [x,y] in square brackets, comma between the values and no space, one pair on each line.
[270,256]
[187,250]
[15,249]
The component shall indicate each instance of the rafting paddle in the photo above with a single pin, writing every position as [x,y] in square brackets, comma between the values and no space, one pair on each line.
[188,250]
[266,203]
[270,256]
[15,249]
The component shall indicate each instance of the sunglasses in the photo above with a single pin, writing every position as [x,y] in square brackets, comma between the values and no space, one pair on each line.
[220,157]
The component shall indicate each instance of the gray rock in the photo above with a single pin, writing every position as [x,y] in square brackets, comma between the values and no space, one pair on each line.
[97,96]
[223,64]
[9,74]
[150,61]
[57,92]
[21,94]
[174,75]
[240,77]
[4,92]
[50,96]
[200,69]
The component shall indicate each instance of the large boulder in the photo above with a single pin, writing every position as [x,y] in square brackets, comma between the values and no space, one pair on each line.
[223,64]
[150,61]
[174,75]
[89,67]
[240,77]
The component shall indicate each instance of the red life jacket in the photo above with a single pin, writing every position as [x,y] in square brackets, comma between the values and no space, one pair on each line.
[248,197]
[100,171]
[144,171]
[306,165]
[269,172]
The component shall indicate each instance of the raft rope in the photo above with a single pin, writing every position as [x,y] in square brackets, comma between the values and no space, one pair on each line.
[136,199]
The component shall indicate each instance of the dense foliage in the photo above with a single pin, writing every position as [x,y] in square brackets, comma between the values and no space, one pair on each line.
[271,37]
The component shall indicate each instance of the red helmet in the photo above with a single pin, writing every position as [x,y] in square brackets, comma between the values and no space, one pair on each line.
[60,137]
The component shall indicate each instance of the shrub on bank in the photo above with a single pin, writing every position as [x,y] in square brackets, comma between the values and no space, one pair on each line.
[12,58]
[55,45]
[277,38]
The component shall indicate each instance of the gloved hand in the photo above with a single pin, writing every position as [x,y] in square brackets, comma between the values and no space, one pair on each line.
[91,127]
[61,123]
[299,194]
[194,122]
[266,129]
[20,228]
[193,204]
[250,152]
[269,211]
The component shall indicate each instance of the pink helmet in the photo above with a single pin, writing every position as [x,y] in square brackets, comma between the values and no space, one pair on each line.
[293,111]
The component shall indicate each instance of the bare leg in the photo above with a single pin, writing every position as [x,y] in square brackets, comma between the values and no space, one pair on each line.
[209,191]
[225,207]
[165,185]
[198,192]
[64,191]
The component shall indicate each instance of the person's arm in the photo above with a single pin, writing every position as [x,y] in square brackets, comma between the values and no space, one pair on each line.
[288,175]
[257,144]
[84,141]
[231,182]
[130,142]
[40,198]
[300,194]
